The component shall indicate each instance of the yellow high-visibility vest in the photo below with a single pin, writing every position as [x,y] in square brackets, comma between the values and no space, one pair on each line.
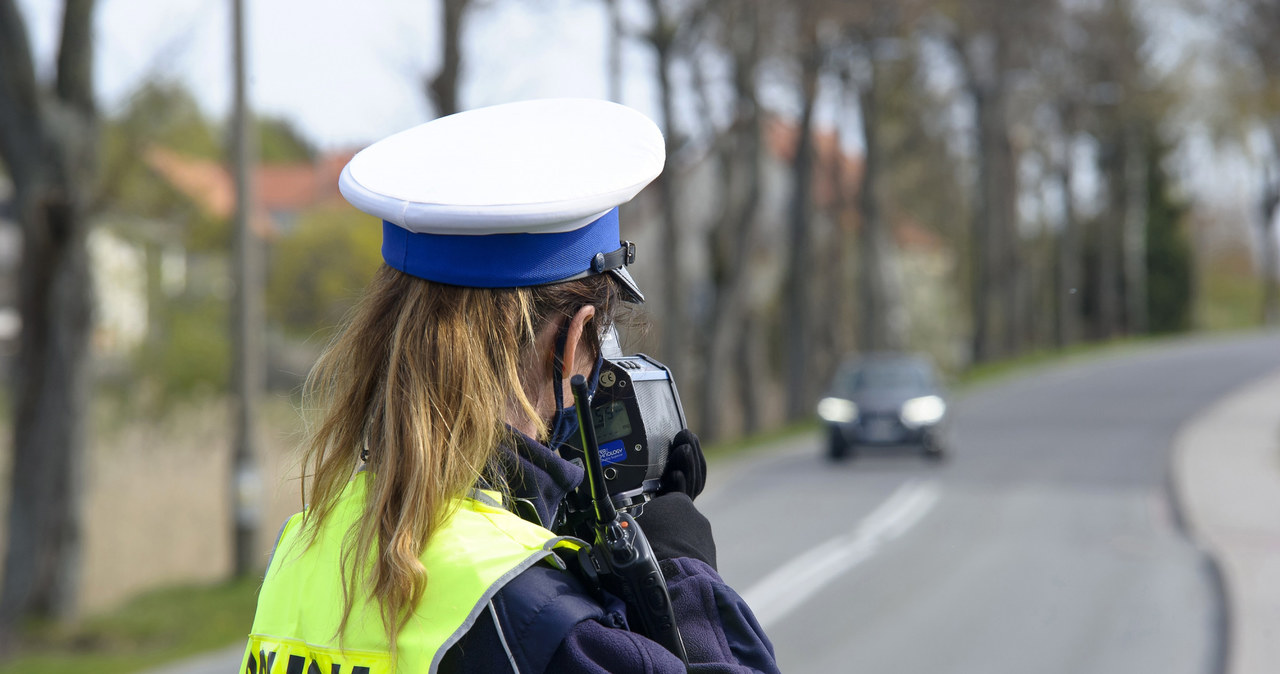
[468,559]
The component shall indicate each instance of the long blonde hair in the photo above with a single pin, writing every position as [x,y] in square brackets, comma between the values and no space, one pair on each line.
[424,376]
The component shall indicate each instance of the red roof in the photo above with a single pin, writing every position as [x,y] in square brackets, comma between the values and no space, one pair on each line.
[288,188]
[837,175]
[837,180]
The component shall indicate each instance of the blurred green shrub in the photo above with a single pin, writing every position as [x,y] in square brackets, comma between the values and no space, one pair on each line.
[1170,270]
[195,355]
[317,271]
[1228,293]
[279,142]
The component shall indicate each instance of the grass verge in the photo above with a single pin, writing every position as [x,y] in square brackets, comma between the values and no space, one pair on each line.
[1229,297]
[987,373]
[151,630]
[719,451]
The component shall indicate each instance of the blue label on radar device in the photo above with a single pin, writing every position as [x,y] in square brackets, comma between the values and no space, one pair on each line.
[612,452]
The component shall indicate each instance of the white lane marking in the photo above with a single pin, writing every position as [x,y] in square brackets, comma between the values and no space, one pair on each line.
[780,592]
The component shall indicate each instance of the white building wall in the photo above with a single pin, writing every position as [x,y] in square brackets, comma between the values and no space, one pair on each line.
[120,289]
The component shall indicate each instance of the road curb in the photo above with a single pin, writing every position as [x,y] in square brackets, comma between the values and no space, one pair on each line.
[1225,487]
[1219,659]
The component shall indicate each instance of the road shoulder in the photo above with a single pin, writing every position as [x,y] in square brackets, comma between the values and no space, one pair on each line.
[1226,472]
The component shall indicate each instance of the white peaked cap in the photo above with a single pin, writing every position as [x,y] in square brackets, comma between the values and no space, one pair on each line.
[511,195]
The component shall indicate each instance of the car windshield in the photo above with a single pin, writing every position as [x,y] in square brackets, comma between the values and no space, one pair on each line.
[895,375]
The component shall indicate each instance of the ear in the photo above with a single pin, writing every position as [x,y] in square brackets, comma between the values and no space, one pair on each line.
[578,358]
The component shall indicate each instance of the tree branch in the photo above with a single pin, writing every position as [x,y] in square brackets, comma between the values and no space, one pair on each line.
[19,94]
[75,55]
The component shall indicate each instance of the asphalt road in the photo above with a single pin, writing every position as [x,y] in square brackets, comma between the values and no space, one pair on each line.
[1047,543]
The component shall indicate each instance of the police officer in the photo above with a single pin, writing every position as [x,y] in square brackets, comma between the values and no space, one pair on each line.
[441,403]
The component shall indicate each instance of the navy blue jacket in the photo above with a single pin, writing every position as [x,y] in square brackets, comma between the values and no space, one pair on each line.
[545,620]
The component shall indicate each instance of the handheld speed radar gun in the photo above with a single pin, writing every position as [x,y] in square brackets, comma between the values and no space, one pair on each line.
[620,558]
[635,414]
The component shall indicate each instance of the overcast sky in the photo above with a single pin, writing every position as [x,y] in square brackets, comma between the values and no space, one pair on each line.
[345,72]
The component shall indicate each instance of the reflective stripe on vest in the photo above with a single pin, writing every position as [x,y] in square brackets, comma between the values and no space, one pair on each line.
[470,558]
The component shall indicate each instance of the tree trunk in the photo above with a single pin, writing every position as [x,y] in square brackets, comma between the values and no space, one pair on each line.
[51,409]
[1069,253]
[48,144]
[872,311]
[750,364]
[796,329]
[1110,230]
[845,322]
[732,241]
[1135,233]
[881,313]
[1068,289]
[614,70]
[995,256]
[732,237]
[1009,287]
[443,88]
[673,310]
[984,258]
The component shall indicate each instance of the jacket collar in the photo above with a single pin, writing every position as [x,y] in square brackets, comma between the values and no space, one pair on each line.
[536,474]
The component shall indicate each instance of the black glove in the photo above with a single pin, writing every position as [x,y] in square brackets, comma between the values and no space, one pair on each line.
[686,469]
[675,528]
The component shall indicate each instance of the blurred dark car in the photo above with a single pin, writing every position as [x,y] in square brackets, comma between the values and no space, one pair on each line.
[885,400]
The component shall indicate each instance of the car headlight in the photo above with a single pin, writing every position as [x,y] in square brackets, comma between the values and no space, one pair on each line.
[924,411]
[837,410]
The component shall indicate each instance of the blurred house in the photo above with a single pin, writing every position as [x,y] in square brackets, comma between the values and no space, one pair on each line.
[135,260]
[280,191]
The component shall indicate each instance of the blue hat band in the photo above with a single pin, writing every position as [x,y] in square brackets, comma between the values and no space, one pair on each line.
[499,260]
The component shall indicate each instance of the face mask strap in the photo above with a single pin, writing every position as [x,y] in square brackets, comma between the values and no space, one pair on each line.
[593,381]
[557,365]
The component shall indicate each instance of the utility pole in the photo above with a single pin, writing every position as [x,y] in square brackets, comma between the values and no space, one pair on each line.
[247,377]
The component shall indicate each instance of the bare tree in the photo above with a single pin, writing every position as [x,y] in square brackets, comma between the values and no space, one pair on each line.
[1060,93]
[797,291]
[1258,26]
[662,36]
[48,142]
[989,41]
[737,156]
[873,33]
[442,88]
[1243,106]
[982,55]
[1117,115]
[1068,249]
[1135,226]
[614,55]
